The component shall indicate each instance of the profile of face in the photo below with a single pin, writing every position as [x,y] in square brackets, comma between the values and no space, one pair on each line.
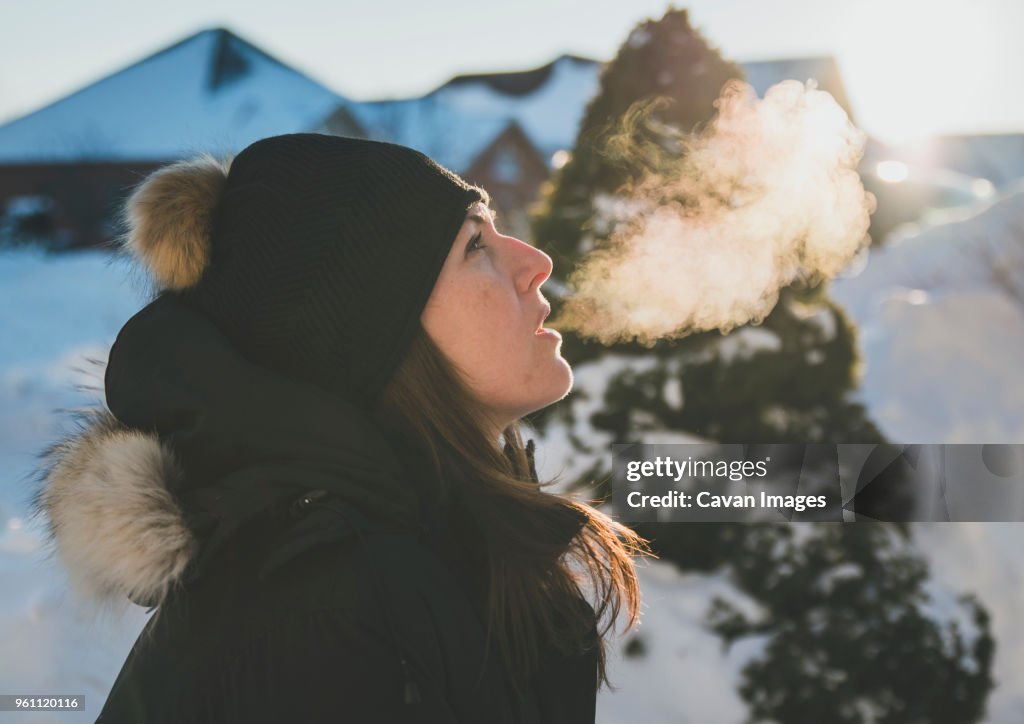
[486,314]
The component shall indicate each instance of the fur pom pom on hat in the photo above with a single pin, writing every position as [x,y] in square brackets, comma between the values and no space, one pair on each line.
[169,219]
[313,254]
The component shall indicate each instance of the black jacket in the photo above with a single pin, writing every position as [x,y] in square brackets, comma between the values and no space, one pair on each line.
[300,562]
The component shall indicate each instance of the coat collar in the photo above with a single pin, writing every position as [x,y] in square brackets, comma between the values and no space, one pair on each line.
[193,442]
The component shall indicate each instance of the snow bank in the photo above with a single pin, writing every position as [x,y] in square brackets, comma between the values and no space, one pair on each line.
[940,312]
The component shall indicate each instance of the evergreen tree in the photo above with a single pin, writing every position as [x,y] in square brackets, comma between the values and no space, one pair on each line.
[785,380]
[848,641]
[662,59]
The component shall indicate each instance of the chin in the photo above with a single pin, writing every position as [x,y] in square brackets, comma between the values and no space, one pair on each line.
[567,381]
[555,390]
[559,384]
[555,384]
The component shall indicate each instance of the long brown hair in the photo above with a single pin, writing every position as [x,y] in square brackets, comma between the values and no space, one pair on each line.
[534,569]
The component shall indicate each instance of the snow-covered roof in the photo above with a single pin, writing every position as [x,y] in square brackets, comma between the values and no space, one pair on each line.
[210,92]
[457,121]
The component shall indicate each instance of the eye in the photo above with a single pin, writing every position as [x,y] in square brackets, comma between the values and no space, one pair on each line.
[474,243]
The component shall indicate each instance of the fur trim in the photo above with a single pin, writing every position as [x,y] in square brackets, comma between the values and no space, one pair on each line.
[169,218]
[112,521]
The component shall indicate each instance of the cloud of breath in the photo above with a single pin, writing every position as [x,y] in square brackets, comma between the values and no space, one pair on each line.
[767,194]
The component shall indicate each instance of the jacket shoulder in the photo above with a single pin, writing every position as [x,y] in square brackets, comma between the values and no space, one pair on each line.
[286,564]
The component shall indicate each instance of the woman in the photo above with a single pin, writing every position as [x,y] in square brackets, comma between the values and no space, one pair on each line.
[310,463]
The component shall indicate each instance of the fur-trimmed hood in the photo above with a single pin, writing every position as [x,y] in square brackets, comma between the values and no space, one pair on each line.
[112,521]
[193,441]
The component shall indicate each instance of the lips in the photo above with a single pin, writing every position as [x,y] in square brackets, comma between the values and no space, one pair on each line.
[543,315]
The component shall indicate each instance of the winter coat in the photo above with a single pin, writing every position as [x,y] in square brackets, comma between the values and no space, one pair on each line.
[301,566]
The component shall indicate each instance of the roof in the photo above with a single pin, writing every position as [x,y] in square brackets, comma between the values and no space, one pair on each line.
[517,83]
[458,120]
[211,92]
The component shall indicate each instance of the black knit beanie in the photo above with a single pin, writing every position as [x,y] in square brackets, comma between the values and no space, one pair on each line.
[321,251]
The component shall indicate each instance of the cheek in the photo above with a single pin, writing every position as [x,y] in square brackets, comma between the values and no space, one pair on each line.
[471,320]
[481,311]
[502,358]
[492,319]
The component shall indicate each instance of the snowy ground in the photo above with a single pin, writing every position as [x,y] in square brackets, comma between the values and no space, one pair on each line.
[57,312]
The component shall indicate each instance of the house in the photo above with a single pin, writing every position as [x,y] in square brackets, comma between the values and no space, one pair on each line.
[512,171]
[212,92]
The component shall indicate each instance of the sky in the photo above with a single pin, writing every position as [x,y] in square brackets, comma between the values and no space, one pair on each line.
[912,67]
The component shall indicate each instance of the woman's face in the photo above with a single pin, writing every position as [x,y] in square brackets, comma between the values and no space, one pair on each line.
[486,312]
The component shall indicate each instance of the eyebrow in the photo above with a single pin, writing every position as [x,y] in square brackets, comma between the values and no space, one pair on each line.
[475,215]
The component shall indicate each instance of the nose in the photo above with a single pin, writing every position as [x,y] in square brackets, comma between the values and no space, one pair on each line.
[533,267]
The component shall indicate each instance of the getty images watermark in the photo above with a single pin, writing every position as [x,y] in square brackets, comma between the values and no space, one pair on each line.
[705,482]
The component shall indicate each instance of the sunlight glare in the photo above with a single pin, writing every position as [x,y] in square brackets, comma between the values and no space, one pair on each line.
[919,67]
[559,158]
[892,171]
[982,188]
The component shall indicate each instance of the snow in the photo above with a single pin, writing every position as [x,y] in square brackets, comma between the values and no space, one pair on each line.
[612,210]
[979,558]
[57,312]
[826,583]
[454,123]
[418,123]
[28,205]
[638,38]
[166,107]
[684,676]
[746,342]
[776,416]
[940,312]
[998,157]
[673,393]
[817,315]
